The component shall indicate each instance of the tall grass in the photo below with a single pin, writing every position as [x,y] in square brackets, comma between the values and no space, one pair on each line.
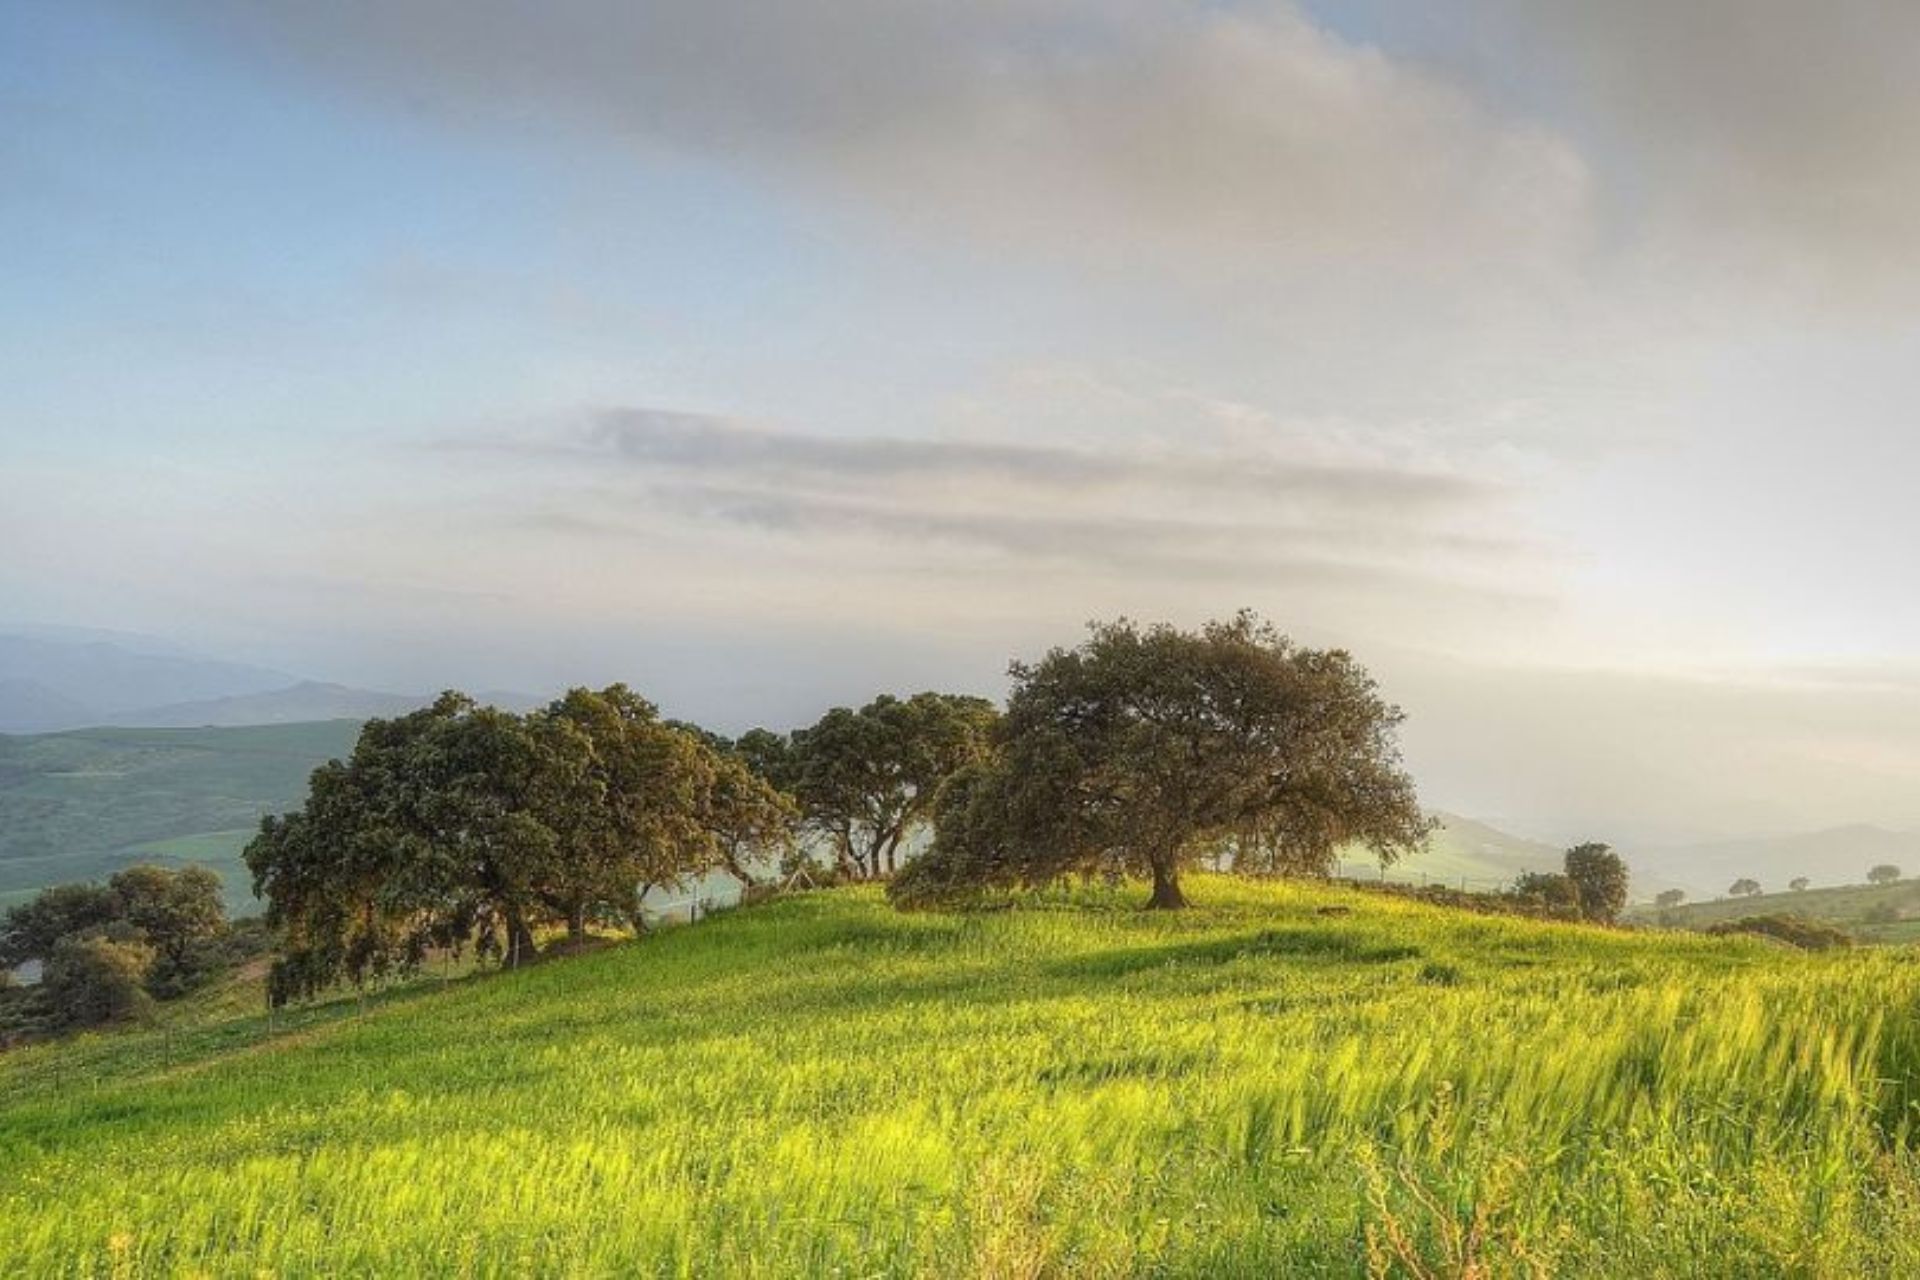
[822,1087]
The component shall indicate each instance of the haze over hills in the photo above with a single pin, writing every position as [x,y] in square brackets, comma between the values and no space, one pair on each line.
[1836,856]
[59,678]
[67,679]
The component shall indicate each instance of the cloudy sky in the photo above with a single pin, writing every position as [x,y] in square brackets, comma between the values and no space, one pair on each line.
[1561,359]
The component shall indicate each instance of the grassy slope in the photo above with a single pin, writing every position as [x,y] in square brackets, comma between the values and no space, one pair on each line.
[1846,906]
[821,1086]
[78,806]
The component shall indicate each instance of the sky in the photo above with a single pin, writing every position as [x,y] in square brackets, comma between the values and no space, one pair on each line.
[1559,359]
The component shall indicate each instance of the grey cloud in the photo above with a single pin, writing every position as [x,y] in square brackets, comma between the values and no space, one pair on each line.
[1777,138]
[1086,126]
[708,444]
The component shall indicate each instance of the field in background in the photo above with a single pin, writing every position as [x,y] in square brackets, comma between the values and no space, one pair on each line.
[81,805]
[1260,1086]
[1872,913]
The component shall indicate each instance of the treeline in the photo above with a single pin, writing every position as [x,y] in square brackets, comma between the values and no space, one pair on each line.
[464,827]
[108,952]
[1136,754]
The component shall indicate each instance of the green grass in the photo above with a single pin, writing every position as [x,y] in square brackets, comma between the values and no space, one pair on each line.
[82,805]
[820,1086]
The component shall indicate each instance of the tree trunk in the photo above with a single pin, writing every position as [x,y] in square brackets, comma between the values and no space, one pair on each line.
[1166,888]
[577,923]
[520,948]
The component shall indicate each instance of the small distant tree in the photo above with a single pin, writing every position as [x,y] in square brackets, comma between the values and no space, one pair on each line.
[1668,899]
[1599,880]
[1744,888]
[96,979]
[1885,873]
[1799,884]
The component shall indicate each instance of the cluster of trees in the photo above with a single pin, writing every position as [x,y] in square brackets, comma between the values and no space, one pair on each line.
[1592,885]
[467,826]
[1139,753]
[108,951]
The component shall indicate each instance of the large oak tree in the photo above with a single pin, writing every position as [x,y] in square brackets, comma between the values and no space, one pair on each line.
[1145,750]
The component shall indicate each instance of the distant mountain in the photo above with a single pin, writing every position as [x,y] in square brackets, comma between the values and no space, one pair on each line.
[307,701]
[57,680]
[27,706]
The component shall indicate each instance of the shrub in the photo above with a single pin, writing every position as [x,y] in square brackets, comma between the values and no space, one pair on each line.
[1797,931]
[95,979]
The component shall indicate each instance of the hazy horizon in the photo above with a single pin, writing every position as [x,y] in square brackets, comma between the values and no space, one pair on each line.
[1558,360]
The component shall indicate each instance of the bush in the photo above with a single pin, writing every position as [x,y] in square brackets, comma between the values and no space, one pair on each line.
[1549,894]
[1797,931]
[96,979]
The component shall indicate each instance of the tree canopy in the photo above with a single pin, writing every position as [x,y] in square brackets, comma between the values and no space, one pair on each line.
[460,825]
[1146,749]
[866,780]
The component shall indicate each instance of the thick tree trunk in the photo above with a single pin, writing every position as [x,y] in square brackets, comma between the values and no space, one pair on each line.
[1166,889]
[577,923]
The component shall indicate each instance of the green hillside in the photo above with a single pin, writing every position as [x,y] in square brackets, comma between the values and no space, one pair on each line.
[820,1086]
[80,805]
[1872,913]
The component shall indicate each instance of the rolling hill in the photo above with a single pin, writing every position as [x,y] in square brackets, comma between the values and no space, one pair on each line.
[1286,1080]
[1871,913]
[80,805]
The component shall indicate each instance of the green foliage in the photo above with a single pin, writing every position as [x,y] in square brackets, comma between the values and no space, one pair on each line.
[1799,884]
[156,928]
[1667,899]
[1147,750]
[821,1086]
[1599,880]
[462,826]
[1885,873]
[866,780]
[31,930]
[1808,935]
[1553,893]
[97,978]
[1744,888]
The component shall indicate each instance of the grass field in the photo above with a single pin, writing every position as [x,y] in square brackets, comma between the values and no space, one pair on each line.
[82,805]
[820,1086]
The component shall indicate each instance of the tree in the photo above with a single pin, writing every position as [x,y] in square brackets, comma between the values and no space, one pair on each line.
[1667,899]
[425,836]
[1744,888]
[1146,749]
[866,780]
[1553,892]
[624,795]
[176,911]
[31,930]
[1799,884]
[93,978]
[1599,880]
[748,820]
[1885,873]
